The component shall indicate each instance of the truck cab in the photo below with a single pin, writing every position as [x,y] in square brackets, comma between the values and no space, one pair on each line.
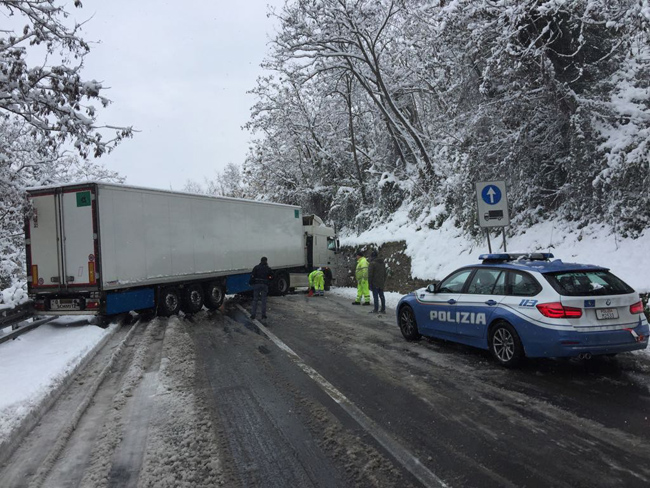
[321,248]
[321,244]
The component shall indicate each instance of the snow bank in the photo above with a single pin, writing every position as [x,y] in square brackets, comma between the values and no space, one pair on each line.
[36,363]
[435,253]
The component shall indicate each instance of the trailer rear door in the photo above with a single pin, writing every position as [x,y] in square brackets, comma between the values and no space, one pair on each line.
[78,237]
[43,247]
[62,236]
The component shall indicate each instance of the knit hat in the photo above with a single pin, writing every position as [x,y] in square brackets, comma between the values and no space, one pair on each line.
[263,260]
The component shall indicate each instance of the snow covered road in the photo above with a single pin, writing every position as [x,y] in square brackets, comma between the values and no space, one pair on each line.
[142,427]
[212,400]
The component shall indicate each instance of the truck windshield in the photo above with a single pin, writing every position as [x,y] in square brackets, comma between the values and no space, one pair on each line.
[331,244]
[587,283]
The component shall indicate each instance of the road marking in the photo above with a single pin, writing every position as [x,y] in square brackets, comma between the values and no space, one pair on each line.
[403,456]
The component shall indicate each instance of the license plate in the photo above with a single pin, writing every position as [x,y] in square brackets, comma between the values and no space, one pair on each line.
[64,304]
[606,313]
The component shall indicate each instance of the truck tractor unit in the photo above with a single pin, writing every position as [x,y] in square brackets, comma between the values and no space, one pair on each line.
[104,249]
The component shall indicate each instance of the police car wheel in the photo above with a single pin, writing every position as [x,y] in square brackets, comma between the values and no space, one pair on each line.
[408,325]
[505,344]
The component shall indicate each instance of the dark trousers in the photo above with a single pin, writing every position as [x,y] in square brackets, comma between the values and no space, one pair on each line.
[259,294]
[378,293]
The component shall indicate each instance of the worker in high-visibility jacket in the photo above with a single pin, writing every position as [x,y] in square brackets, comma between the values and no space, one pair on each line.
[317,282]
[361,275]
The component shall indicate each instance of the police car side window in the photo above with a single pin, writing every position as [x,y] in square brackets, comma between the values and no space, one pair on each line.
[455,282]
[483,281]
[500,285]
[523,285]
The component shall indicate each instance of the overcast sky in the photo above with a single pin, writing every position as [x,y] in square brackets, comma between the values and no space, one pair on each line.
[178,72]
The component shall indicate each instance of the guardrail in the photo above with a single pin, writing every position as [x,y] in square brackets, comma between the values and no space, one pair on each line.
[17,314]
[16,318]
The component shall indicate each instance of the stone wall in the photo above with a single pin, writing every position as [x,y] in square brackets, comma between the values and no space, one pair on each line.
[398,267]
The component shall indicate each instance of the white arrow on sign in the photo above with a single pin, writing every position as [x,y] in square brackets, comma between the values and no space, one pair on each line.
[491,193]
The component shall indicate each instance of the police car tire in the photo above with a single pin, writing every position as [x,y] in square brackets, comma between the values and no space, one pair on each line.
[408,325]
[505,344]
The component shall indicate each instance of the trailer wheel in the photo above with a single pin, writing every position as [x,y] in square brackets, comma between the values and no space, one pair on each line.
[214,295]
[281,285]
[192,299]
[169,302]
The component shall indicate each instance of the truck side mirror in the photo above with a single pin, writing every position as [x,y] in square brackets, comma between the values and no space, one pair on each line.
[431,288]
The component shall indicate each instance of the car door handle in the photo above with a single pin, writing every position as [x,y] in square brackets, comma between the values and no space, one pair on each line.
[491,303]
[451,301]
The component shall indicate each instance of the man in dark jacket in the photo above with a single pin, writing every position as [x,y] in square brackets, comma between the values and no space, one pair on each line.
[260,279]
[377,280]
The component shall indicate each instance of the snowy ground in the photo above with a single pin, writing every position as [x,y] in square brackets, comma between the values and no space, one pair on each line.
[351,293]
[436,253]
[36,363]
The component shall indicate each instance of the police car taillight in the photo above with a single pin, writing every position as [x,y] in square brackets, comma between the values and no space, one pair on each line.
[556,310]
[637,307]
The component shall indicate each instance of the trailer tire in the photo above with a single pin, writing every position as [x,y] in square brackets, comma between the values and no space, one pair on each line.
[192,299]
[169,302]
[281,284]
[215,293]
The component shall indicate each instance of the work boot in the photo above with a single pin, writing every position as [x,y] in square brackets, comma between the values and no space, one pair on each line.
[373,311]
[382,311]
[356,303]
[367,304]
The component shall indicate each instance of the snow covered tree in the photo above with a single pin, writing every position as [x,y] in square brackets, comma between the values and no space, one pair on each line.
[227,183]
[378,103]
[40,79]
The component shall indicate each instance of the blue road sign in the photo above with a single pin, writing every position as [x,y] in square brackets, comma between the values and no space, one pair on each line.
[492,203]
[491,194]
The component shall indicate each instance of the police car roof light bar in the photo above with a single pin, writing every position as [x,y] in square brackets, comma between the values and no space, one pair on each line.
[534,256]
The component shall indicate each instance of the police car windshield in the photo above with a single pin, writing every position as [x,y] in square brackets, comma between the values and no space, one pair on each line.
[587,283]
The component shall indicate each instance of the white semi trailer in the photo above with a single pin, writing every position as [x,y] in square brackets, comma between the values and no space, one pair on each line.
[96,248]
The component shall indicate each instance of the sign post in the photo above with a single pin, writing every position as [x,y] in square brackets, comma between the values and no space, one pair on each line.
[492,206]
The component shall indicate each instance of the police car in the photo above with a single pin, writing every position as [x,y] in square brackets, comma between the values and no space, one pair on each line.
[528,305]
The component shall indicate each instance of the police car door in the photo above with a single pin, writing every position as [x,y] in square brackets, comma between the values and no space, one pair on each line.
[482,296]
[436,315]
